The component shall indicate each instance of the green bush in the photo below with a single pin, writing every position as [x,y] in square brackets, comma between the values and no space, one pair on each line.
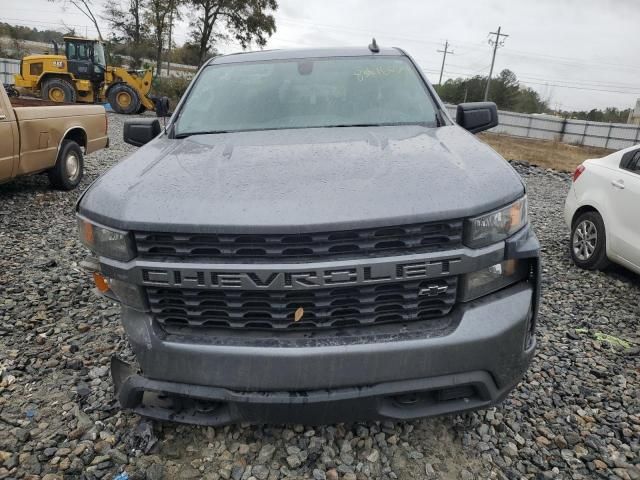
[173,88]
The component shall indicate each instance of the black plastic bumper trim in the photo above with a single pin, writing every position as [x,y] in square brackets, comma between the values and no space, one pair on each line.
[184,403]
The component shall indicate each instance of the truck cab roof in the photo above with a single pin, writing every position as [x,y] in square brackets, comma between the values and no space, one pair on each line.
[297,53]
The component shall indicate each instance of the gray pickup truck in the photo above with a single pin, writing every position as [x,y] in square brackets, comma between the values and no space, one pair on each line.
[311,238]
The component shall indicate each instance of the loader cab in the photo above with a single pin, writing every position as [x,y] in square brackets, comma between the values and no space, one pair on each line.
[85,58]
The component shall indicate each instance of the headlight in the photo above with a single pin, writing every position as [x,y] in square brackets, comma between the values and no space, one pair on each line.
[106,242]
[496,226]
[493,278]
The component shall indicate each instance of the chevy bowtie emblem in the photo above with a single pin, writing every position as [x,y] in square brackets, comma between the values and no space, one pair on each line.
[433,291]
[298,315]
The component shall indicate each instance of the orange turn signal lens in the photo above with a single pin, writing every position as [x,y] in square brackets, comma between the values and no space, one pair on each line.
[102,284]
[87,233]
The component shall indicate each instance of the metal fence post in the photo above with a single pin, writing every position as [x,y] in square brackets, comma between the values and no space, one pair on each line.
[529,126]
[606,142]
[584,133]
[637,134]
[563,128]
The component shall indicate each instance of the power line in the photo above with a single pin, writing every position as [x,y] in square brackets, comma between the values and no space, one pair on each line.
[496,43]
[444,58]
[508,51]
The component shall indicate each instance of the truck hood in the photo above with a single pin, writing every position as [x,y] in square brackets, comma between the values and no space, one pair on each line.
[302,180]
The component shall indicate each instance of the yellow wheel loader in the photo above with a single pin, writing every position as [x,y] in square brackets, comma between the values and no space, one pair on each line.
[82,75]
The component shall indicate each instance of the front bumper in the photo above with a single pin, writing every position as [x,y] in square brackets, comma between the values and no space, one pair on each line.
[479,355]
[468,359]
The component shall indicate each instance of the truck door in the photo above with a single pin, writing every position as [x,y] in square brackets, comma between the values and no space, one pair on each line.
[8,148]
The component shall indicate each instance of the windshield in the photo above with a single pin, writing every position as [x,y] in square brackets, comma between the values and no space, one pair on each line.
[98,53]
[326,92]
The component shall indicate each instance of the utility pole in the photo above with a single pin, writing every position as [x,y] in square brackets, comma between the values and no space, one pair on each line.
[496,43]
[444,58]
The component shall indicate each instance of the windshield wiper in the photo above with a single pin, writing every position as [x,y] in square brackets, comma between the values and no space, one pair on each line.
[208,132]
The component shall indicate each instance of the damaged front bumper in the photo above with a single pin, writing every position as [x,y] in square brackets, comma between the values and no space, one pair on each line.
[213,406]
[474,365]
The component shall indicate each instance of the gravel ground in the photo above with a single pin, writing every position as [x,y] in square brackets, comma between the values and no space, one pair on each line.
[576,414]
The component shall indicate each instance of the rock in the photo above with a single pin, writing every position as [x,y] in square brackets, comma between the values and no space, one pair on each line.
[83,327]
[599,464]
[331,474]
[510,450]
[319,474]
[187,473]
[294,461]
[374,456]
[155,472]
[429,471]
[266,453]
[260,472]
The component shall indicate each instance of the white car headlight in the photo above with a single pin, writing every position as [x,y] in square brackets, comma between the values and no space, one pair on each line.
[106,242]
[497,225]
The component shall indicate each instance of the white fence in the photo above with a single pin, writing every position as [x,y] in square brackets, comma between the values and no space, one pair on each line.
[8,68]
[614,136]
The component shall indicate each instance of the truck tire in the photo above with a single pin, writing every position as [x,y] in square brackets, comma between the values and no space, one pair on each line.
[124,99]
[69,168]
[58,90]
[588,242]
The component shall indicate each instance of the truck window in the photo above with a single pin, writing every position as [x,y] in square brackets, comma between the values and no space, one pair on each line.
[306,93]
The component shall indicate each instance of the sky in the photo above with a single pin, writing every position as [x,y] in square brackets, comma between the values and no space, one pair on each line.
[578,54]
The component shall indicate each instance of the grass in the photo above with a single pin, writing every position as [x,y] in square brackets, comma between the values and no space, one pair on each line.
[543,153]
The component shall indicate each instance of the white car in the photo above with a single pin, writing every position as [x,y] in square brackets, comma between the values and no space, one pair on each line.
[603,211]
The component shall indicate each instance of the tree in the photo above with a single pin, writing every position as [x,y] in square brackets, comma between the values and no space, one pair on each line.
[86,7]
[158,15]
[187,54]
[529,101]
[506,91]
[129,29]
[246,21]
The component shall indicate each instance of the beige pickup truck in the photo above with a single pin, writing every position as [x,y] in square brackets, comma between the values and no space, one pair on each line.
[38,136]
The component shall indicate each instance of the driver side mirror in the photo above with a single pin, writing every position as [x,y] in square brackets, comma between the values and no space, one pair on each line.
[477,116]
[141,131]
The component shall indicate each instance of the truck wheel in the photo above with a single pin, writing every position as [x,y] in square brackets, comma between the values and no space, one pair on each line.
[58,90]
[69,168]
[588,242]
[124,99]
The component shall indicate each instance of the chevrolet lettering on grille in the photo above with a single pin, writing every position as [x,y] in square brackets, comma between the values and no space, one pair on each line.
[295,279]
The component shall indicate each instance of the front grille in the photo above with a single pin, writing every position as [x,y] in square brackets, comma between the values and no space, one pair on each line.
[351,306]
[416,238]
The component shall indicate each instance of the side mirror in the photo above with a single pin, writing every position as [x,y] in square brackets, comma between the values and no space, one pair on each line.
[478,116]
[140,132]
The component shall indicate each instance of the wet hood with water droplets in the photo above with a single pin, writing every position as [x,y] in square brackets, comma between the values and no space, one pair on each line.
[302,180]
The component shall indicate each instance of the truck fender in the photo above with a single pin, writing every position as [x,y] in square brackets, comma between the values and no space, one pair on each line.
[77,134]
